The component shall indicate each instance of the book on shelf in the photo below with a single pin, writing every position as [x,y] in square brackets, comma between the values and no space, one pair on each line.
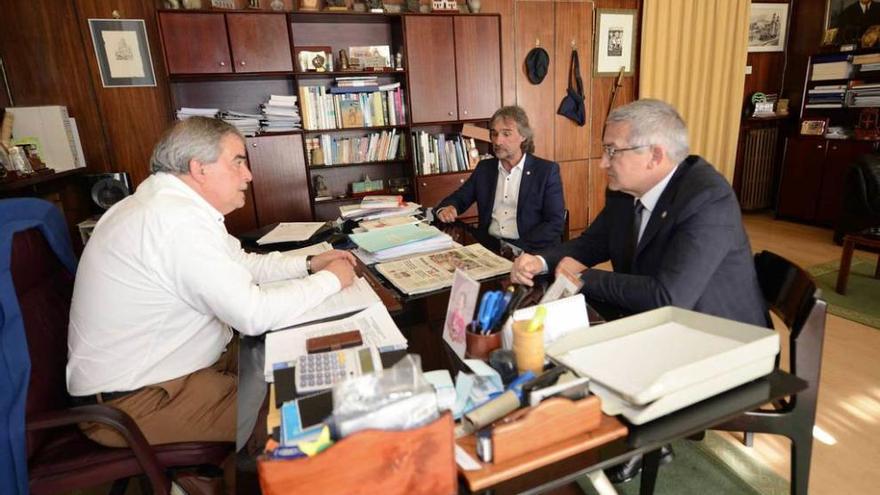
[866,58]
[440,153]
[342,150]
[352,114]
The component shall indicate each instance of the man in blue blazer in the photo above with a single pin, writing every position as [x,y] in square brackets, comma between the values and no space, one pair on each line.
[519,196]
[688,247]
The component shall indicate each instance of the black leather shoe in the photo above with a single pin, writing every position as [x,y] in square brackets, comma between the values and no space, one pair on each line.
[622,473]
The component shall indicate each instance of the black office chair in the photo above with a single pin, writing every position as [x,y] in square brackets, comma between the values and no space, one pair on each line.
[792,295]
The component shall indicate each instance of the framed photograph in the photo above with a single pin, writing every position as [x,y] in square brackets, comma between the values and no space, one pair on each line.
[813,127]
[314,58]
[615,42]
[370,57]
[767,26]
[851,18]
[123,52]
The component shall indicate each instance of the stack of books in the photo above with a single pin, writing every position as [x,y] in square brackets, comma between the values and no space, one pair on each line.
[372,147]
[828,67]
[280,114]
[864,95]
[826,96]
[439,153]
[868,62]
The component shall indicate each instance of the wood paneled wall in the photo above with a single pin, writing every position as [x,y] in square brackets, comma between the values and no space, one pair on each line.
[804,39]
[134,118]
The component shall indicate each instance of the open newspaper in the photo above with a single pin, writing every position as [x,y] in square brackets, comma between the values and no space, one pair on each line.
[435,270]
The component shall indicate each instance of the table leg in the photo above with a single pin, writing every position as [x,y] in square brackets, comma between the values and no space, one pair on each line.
[650,466]
[845,262]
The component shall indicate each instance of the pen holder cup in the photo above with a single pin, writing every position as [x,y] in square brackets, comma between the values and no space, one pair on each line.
[479,346]
[528,347]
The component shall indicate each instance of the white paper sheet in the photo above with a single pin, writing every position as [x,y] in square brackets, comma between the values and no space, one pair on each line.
[355,297]
[291,232]
[375,324]
[313,249]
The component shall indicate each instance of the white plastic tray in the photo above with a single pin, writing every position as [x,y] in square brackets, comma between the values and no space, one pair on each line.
[649,356]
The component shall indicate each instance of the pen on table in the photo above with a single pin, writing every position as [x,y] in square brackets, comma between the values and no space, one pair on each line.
[483,313]
[520,292]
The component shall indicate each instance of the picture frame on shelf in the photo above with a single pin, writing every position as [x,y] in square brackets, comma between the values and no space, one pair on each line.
[814,127]
[314,58]
[615,42]
[768,23]
[370,57]
[123,52]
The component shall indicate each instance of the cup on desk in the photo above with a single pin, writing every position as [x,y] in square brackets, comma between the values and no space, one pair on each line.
[478,345]
[528,347]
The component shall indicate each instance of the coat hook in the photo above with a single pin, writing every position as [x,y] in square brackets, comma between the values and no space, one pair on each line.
[537,42]
[115,14]
[573,44]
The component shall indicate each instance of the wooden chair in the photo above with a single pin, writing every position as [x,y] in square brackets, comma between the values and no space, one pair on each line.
[792,295]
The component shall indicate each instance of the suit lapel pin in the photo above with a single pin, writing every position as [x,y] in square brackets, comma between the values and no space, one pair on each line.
[663,215]
[529,172]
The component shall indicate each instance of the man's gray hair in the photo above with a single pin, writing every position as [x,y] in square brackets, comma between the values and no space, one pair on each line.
[654,122]
[517,115]
[196,138]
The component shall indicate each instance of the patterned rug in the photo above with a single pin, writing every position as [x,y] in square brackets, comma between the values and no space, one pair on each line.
[862,300]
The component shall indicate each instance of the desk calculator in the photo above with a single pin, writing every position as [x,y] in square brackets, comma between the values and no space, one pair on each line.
[322,370]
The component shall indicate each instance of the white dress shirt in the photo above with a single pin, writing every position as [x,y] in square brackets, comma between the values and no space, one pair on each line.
[650,198]
[503,223]
[159,284]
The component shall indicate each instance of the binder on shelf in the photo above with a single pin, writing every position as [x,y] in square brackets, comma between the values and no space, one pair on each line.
[51,126]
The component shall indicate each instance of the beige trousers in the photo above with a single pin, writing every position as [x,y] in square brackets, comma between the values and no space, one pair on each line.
[200,406]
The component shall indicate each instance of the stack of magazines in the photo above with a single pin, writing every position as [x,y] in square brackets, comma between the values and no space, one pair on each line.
[280,114]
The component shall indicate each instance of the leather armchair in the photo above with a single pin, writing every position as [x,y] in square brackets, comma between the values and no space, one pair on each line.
[59,456]
[860,197]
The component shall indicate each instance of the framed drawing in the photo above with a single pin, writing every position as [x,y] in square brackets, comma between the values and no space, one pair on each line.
[615,42]
[123,52]
[370,57]
[767,26]
[813,127]
[851,18]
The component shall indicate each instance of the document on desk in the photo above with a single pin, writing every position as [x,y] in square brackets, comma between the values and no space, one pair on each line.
[291,232]
[313,249]
[355,297]
[375,324]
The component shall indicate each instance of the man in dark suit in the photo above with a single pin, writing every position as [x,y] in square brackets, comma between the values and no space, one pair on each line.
[688,247]
[519,196]
[855,19]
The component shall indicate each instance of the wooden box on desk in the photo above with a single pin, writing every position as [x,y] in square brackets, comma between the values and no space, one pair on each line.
[417,461]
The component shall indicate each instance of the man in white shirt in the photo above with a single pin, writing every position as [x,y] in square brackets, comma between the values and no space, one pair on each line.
[161,282]
[519,196]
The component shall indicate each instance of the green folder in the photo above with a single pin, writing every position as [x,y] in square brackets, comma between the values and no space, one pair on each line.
[390,237]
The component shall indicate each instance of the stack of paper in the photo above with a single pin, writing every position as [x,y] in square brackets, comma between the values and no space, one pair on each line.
[392,237]
[431,244]
[291,232]
[368,225]
[186,112]
[382,202]
[358,212]
[247,123]
[375,324]
[280,114]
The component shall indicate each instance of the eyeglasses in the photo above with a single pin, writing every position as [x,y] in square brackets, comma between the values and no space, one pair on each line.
[610,151]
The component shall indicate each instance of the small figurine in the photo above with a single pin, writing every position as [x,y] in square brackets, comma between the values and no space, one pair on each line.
[277,5]
[398,61]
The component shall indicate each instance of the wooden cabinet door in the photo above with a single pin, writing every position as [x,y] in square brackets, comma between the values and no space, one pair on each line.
[434,189]
[281,184]
[259,42]
[195,43]
[839,157]
[431,57]
[801,178]
[477,66]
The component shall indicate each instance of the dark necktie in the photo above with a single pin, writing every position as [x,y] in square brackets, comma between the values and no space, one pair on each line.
[638,210]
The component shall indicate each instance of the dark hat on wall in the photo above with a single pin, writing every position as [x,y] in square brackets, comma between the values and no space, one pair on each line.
[537,62]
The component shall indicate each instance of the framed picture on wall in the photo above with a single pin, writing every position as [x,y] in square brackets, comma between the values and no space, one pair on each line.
[767,27]
[851,18]
[615,42]
[123,52]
